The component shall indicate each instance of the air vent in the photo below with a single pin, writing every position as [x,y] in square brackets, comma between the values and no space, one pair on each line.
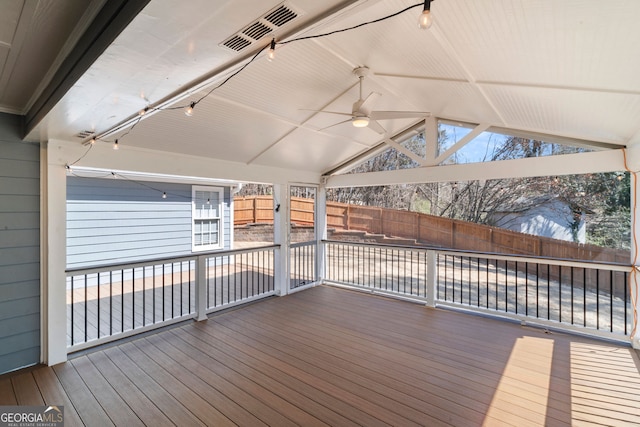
[84,134]
[236,43]
[281,16]
[257,31]
[261,27]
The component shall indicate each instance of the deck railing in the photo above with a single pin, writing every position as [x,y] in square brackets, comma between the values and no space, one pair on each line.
[238,276]
[302,262]
[590,297]
[111,302]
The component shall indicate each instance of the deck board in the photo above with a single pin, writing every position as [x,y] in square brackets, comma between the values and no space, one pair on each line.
[329,356]
[52,391]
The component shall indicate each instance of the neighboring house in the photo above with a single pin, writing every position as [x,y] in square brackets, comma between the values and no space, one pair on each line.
[546,216]
[116,220]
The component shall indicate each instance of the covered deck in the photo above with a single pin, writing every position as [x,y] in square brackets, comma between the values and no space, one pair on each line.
[330,356]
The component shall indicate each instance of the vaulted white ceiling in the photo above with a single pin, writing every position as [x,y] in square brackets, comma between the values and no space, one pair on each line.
[567,68]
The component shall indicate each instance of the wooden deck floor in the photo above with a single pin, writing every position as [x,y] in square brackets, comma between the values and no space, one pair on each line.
[329,356]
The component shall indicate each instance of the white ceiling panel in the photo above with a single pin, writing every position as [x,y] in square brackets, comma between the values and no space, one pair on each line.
[575,43]
[308,150]
[547,66]
[218,129]
[292,82]
[606,117]
[9,21]
[394,46]
[447,99]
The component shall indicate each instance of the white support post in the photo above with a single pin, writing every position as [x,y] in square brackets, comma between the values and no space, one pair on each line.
[54,259]
[201,288]
[432,278]
[281,198]
[431,139]
[321,231]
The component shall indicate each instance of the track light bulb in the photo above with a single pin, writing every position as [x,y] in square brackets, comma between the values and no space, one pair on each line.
[360,122]
[164,195]
[272,50]
[115,145]
[189,110]
[92,141]
[425,20]
[144,111]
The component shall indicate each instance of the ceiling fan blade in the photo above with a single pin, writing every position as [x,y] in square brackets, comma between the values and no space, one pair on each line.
[335,124]
[328,112]
[368,103]
[373,125]
[387,115]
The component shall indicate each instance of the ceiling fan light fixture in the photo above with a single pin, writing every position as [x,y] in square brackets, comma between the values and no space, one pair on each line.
[360,122]
[425,20]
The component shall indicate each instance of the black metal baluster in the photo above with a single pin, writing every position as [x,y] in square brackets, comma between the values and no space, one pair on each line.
[626,292]
[611,301]
[122,300]
[571,278]
[453,278]
[526,288]
[153,293]
[497,290]
[72,311]
[506,286]
[560,293]
[548,292]
[85,309]
[110,303]
[516,274]
[164,290]
[537,290]
[469,280]
[584,297]
[173,291]
[133,298]
[598,299]
[144,296]
[487,281]
[98,285]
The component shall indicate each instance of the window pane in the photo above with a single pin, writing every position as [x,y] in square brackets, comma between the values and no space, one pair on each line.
[206,232]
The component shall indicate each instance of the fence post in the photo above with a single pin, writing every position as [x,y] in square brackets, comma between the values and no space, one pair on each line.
[201,288]
[432,278]
[255,210]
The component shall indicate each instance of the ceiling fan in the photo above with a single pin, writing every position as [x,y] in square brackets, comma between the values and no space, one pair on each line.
[362,113]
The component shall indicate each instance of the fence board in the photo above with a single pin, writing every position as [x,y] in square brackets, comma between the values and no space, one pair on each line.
[426,229]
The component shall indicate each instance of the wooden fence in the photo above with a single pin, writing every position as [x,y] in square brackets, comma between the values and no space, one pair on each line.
[426,229]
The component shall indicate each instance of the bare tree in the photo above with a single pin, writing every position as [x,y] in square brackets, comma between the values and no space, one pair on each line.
[604,197]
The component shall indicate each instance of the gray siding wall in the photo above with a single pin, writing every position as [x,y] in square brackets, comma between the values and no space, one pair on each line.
[19,248]
[111,221]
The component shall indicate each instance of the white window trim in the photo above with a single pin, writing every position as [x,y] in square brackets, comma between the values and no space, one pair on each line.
[221,236]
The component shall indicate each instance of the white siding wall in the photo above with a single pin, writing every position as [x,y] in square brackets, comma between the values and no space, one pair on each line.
[118,220]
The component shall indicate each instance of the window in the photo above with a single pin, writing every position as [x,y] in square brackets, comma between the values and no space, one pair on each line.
[207,218]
